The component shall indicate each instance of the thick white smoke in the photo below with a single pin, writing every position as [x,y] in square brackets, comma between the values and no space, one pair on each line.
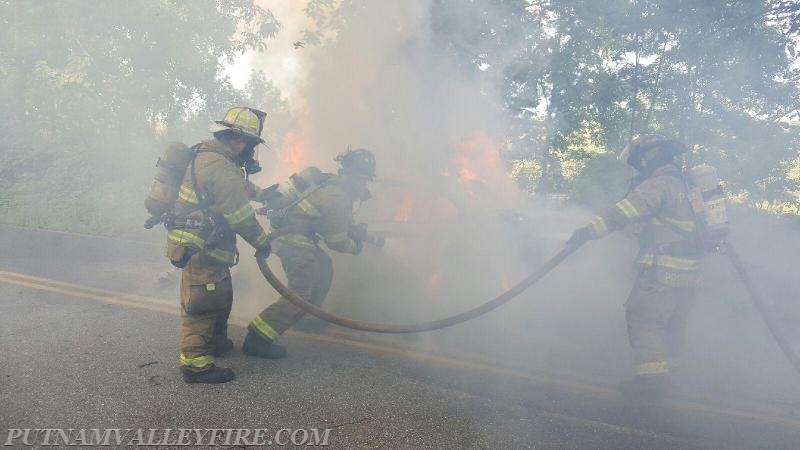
[459,231]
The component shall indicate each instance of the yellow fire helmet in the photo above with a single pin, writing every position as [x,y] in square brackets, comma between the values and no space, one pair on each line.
[244,120]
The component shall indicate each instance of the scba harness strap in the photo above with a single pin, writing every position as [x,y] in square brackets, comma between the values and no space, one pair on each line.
[211,223]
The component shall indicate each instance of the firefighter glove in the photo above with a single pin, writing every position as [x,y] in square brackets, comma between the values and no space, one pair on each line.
[358,232]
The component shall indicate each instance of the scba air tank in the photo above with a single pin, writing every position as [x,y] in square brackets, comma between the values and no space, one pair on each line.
[166,184]
[709,200]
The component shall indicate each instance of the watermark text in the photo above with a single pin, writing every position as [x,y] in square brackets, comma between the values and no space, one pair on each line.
[173,437]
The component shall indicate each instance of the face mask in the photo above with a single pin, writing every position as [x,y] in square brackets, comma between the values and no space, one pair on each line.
[251,167]
[251,164]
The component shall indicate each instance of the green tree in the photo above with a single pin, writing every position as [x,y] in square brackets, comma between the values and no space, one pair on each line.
[717,75]
[90,88]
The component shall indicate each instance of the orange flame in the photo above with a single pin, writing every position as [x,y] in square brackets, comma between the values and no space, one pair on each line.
[467,174]
[295,151]
[476,158]
[477,165]
[403,213]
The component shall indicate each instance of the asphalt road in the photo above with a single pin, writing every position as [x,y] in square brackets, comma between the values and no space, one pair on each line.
[81,352]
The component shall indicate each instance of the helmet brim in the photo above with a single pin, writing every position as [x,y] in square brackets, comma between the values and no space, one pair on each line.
[218,126]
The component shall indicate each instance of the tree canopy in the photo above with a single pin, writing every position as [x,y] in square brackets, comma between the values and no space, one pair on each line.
[717,75]
[90,88]
[85,85]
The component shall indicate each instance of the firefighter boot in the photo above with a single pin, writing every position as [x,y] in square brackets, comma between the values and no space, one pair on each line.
[222,346]
[210,375]
[644,387]
[254,345]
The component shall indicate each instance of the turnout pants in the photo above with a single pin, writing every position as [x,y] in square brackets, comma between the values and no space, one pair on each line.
[309,271]
[656,317]
[204,319]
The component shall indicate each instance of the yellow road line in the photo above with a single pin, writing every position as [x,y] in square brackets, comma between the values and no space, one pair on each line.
[91,291]
[24,281]
[105,298]
[84,235]
[600,392]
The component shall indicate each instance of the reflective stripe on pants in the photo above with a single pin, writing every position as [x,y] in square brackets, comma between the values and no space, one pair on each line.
[263,328]
[196,362]
[205,309]
[309,272]
[652,368]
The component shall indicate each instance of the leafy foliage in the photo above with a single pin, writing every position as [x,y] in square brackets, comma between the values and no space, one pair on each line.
[717,75]
[92,89]
[787,13]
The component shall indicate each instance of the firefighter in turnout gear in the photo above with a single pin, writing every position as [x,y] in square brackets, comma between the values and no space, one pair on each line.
[668,260]
[213,206]
[326,214]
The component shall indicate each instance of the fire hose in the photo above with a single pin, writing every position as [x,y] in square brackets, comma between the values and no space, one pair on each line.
[505,297]
[761,307]
[478,311]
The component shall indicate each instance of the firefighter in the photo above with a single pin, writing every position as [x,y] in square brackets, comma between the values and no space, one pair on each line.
[668,260]
[213,206]
[326,214]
